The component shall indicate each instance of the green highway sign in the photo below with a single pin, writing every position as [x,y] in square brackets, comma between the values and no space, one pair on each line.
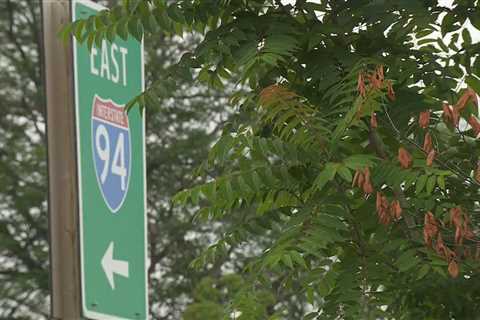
[111,174]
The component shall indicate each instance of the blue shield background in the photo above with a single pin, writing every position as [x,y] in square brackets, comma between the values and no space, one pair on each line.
[111,188]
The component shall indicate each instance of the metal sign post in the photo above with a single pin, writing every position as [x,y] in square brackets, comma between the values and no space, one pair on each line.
[62,186]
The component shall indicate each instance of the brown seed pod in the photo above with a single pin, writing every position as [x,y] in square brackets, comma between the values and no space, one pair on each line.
[374,81]
[430,228]
[456,216]
[424,119]
[468,233]
[390,92]
[379,201]
[355,178]
[396,209]
[360,180]
[440,246]
[430,158]
[447,114]
[477,172]
[385,218]
[453,269]
[366,173]
[382,206]
[427,143]
[473,97]
[426,238]
[473,122]
[373,121]
[404,157]
[468,95]
[456,117]
[367,187]
[380,74]
[361,85]
[458,235]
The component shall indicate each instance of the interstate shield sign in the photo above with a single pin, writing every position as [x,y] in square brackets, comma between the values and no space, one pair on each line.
[111,150]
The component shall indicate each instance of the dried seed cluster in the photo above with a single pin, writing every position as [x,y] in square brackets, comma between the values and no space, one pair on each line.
[433,238]
[392,211]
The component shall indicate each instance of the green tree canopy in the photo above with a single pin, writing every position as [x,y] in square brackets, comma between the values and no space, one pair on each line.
[356,152]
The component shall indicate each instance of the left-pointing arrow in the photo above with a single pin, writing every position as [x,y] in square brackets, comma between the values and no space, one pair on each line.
[111,266]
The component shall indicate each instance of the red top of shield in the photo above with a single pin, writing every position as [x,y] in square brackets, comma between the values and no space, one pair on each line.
[108,111]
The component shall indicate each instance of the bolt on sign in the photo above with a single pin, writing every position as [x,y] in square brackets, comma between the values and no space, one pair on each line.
[111,172]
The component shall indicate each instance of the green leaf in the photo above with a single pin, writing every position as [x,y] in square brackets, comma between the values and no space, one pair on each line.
[423,271]
[407,260]
[181,197]
[272,259]
[65,32]
[98,38]
[202,215]
[345,173]
[229,191]
[90,40]
[331,221]
[360,161]
[474,83]
[440,271]
[323,288]
[122,28]
[267,203]
[467,38]
[257,182]
[151,25]
[442,44]
[431,184]
[78,30]
[298,259]
[327,174]
[420,184]
[99,22]
[244,187]
[310,316]
[441,182]
[135,28]
[111,32]
[209,190]
[175,14]
[287,260]
[195,195]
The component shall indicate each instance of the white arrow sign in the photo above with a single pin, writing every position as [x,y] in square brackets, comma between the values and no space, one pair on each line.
[111,266]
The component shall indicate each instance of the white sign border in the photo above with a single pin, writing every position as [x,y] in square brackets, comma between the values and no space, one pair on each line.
[87,313]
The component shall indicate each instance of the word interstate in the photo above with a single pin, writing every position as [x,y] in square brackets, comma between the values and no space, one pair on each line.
[106,64]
